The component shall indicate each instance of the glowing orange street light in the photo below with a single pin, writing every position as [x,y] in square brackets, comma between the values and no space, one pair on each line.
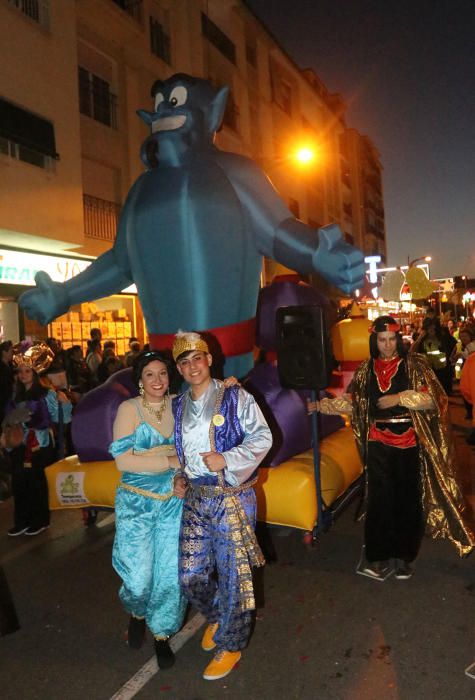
[305,155]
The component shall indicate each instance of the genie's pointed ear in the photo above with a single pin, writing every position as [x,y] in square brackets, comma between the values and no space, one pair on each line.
[217,108]
[146,116]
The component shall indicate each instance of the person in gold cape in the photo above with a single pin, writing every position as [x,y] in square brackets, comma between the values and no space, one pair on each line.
[400,419]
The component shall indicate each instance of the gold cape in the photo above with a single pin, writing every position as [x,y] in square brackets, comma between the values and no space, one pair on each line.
[444,506]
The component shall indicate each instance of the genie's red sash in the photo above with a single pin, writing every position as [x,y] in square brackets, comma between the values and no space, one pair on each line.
[235,339]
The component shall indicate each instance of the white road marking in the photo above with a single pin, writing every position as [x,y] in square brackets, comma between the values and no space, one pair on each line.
[106,521]
[148,670]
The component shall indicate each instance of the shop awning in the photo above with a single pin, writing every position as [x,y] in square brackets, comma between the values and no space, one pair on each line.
[25,128]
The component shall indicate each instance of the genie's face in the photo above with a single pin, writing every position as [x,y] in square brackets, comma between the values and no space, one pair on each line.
[187,112]
[174,109]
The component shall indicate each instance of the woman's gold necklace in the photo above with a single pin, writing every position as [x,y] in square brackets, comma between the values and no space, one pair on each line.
[157,413]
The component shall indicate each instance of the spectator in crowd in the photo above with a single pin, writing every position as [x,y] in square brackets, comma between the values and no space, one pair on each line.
[132,354]
[78,373]
[438,345]
[6,375]
[408,335]
[96,334]
[94,358]
[110,365]
[467,378]
[36,451]
[109,347]
[467,340]
[59,360]
[451,326]
[132,341]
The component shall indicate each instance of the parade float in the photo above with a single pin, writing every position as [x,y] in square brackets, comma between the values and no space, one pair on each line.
[192,235]
[286,487]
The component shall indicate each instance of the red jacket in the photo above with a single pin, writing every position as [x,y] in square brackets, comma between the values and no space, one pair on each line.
[467,381]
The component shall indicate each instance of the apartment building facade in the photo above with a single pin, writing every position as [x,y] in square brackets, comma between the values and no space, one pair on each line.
[73,75]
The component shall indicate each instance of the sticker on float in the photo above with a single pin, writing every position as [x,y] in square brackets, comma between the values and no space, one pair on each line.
[70,488]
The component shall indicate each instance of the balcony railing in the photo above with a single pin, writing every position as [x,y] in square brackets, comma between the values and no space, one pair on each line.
[25,154]
[101,218]
[37,10]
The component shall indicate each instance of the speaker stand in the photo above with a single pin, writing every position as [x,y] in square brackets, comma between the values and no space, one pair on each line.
[323,515]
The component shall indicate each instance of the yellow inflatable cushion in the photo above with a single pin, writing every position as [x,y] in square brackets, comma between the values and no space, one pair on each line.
[285,494]
[75,485]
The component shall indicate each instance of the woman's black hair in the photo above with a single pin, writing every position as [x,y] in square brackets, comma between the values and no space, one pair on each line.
[380,326]
[165,356]
[35,392]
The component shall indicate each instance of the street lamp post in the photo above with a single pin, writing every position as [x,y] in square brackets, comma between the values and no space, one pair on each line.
[464,277]
[411,263]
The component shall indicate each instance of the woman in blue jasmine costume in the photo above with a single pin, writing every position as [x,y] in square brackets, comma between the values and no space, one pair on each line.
[148,512]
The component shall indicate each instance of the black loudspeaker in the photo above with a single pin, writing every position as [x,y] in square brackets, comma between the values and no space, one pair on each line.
[303,348]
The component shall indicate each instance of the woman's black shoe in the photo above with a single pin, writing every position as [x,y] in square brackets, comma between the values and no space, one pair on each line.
[136,632]
[165,656]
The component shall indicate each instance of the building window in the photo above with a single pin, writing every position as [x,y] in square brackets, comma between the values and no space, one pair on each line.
[132,7]
[159,41]
[37,10]
[281,90]
[96,100]
[25,136]
[218,38]
[101,218]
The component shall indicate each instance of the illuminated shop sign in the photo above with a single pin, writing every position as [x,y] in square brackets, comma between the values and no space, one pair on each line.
[20,268]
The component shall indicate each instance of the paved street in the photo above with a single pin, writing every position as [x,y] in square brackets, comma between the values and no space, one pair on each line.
[322,632]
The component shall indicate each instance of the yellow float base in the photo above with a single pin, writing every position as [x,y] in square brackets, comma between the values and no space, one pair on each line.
[285,494]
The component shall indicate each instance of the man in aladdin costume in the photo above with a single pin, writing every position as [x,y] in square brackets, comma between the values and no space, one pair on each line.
[194,227]
[401,424]
[221,437]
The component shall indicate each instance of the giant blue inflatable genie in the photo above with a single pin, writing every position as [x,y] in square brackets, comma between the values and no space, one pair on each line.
[193,231]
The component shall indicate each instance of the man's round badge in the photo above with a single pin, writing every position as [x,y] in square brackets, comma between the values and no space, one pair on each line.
[218,419]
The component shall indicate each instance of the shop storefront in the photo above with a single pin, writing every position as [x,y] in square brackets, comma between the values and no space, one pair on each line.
[119,316]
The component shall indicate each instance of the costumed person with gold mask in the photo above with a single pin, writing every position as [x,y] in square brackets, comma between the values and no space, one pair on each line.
[221,437]
[148,512]
[400,419]
[34,448]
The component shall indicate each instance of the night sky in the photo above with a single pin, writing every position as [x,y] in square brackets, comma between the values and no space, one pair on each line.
[407,72]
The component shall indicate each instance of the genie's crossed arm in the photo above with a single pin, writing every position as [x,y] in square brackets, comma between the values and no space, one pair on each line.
[280,236]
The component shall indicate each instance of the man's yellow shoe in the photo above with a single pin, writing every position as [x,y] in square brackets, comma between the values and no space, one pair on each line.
[208,643]
[222,664]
